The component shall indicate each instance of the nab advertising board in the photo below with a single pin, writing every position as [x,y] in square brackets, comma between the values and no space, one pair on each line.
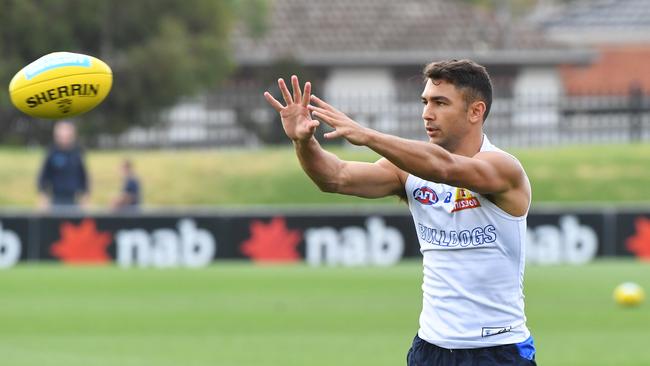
[320,239]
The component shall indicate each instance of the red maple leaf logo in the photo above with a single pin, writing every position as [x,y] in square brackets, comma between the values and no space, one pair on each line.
[81,244]
[639,244]
[272,242]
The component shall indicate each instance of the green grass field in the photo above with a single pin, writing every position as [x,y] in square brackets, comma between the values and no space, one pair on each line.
[239,314]
[273,176]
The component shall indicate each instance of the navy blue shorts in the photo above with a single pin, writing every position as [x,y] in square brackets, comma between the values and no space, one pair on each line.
[423,353]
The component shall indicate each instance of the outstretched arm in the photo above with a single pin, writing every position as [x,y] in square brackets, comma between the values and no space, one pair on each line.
[331,174]
[491,173]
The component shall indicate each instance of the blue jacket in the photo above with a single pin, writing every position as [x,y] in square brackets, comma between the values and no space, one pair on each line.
[132,187]
[63,173]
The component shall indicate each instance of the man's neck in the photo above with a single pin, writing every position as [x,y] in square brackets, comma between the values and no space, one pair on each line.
[470,146]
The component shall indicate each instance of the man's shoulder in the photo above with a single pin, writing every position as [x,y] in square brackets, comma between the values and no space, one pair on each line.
[489,147]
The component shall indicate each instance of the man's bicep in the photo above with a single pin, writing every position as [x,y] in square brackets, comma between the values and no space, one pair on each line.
[371,180]
[486,173]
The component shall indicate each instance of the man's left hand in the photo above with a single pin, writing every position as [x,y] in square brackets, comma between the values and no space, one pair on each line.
[343,125]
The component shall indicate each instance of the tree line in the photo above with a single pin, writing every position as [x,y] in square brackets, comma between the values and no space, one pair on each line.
[159,51]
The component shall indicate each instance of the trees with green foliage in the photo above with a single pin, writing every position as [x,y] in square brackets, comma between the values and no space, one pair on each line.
[159,50]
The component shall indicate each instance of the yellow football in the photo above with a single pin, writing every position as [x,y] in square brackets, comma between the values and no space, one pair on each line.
[61,84]
[629,294]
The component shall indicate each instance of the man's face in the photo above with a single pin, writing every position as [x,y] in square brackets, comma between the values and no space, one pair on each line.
[444,114]
[64,135]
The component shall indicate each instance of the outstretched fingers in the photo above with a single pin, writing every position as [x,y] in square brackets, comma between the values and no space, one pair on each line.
[332,135]
[297,93]
[307,94]
[273,102]
[323,104]
[285,91]
[325,114]
[329,120]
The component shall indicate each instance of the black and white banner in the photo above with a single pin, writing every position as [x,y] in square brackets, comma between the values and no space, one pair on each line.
[186,239]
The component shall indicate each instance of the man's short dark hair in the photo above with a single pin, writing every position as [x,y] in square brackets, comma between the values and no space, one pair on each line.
[469,77]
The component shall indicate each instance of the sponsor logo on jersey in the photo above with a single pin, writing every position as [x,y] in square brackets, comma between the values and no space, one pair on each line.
[425,195]
[465,200]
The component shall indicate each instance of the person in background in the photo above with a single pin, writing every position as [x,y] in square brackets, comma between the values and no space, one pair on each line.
[63,181]
[129,198]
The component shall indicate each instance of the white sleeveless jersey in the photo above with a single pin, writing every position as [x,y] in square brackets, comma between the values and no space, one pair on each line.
[473,266]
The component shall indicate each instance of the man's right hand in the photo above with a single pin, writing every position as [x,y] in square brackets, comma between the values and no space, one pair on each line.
[296,120]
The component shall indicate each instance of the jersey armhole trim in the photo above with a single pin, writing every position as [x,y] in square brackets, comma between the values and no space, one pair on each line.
[499,211]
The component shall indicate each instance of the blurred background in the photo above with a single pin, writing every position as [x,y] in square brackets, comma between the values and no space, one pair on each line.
[219,188]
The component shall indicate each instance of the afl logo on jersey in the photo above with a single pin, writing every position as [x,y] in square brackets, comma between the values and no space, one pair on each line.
[425,195]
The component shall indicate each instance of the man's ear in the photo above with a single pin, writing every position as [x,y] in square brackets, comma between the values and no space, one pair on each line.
[476,111]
